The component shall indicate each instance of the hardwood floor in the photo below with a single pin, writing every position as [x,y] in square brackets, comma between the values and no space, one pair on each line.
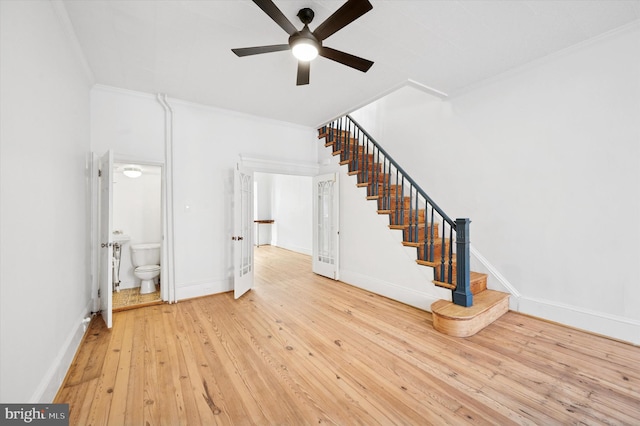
[301,349]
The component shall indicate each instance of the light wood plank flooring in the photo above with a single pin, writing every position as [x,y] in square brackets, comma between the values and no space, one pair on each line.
[301,349]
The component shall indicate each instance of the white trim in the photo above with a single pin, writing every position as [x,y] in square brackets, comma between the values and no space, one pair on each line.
[586,319]
[296,249]
[202,288]
[233,113]
[127,92]
[61,13]
[264,165]
[55,374]
[417,299]
[190,104]
[424,88]
[543,60]
[407,83]
[168,291]
[493,271]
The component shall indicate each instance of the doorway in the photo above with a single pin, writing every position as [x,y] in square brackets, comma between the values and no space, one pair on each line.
[287,200]
[137,219]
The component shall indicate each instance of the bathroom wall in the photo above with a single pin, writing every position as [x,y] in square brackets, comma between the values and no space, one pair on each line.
[137,213]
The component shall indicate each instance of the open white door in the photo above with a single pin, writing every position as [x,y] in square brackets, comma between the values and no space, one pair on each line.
[243,231]
[326,197]
[106,237]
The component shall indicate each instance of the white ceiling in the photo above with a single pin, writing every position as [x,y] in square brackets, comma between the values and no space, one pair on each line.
[183,48]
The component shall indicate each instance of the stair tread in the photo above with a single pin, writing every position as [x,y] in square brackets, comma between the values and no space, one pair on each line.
[482,302]
[436,242]
[408,225]
[473,276]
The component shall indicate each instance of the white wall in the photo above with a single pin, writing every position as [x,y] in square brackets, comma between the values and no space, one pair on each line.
[288,200]
[208,142]
[44,276]
[262,209]
[372,256]
[129,123]
[546,163]
[137,213]
[292,205]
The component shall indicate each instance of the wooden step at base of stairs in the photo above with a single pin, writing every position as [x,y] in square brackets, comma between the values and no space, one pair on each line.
[477,280]
[458,321]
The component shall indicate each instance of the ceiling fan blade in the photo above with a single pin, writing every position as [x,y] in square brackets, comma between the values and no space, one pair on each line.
[304,69]
[276,14]
[348,12]
[246,51]
[346,59]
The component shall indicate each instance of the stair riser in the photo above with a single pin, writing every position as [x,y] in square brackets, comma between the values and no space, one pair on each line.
[408,233]
[348,145]
[406,217]
[476,284]
[348,151]
[437,251]
[336,134]
[390,203]
[361,158]
[388,190]
[464,322]
[372,178]
[370,167]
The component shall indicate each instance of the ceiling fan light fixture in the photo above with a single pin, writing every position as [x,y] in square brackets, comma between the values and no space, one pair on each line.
[305,50]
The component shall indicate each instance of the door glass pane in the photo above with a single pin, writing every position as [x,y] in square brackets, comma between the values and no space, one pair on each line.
[326,251]
[246,244]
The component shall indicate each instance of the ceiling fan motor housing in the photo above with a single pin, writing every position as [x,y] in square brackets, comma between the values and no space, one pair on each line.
[305,36]
[306,15]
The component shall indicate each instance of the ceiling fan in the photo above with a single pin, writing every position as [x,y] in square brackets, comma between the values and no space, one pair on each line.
[305,44]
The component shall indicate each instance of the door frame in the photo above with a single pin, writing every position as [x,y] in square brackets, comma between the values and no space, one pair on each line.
[331,270]
[242,246]
[263,165]
[167,290]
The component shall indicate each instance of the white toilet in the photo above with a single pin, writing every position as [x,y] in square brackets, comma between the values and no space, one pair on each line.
[146,259]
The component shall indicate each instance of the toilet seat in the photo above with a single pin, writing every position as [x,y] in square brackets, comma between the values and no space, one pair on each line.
[148,268]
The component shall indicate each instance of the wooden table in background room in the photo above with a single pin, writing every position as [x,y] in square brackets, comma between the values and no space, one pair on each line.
[258,223]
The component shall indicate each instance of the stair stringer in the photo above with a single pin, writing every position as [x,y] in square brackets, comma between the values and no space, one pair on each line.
[372,257]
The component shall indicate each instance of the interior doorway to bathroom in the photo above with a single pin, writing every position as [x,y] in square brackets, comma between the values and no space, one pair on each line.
[136,219]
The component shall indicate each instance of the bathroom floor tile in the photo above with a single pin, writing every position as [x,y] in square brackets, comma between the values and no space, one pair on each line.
[131,297]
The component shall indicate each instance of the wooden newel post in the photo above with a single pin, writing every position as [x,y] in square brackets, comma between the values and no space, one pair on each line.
[462,294]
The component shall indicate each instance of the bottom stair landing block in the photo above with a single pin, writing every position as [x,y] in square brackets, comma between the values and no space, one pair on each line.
[458,321]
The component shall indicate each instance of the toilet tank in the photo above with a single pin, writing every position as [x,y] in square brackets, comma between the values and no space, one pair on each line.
[145,254]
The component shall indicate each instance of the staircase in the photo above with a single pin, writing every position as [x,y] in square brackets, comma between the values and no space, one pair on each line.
[424,225]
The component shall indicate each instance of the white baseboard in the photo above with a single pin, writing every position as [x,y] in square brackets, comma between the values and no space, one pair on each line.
[53,378]
[204,288]
[417,299]
[585,319]
[303,250]
[596,322]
